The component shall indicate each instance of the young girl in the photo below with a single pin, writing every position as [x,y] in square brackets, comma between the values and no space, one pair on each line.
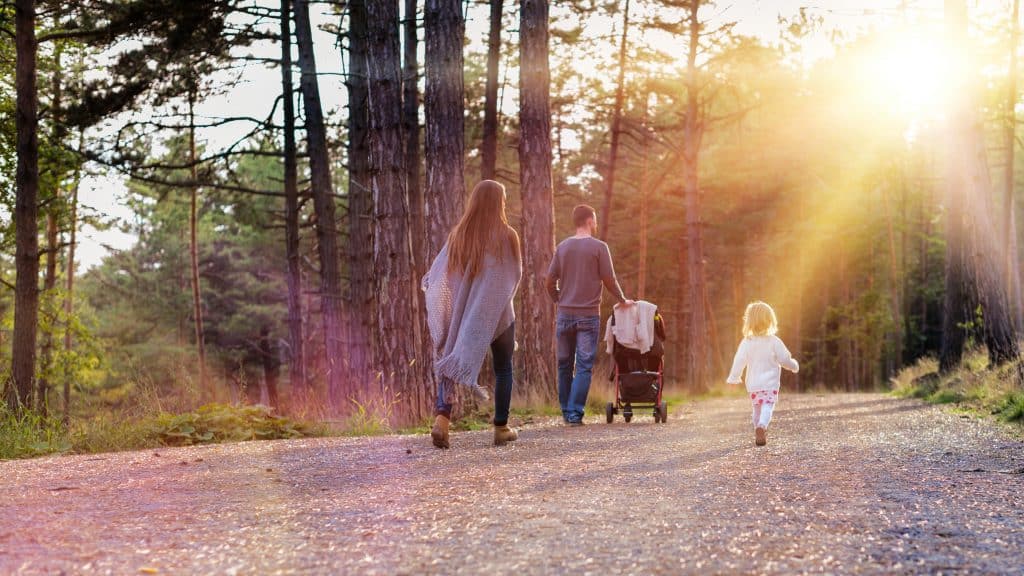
[764,355]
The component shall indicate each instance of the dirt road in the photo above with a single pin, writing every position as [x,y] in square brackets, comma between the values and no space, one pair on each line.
[847,484]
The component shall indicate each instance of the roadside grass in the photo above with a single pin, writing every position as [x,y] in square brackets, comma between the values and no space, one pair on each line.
[972,389]
[28,434]
[155,422]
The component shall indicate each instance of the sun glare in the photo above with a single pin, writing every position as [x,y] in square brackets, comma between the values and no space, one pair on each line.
[909,74]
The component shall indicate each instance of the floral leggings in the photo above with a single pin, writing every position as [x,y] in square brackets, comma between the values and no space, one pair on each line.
[763,402]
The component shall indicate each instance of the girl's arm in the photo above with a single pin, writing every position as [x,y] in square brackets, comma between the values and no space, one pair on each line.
[739,362]
[783,356]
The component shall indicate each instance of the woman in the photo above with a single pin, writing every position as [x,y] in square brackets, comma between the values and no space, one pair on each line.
[469,291]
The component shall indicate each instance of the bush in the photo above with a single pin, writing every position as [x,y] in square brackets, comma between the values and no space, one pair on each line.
[1011,407]
[226,423]
[27,434]
[973,386]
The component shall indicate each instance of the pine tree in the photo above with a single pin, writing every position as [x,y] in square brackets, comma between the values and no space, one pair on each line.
[536,313]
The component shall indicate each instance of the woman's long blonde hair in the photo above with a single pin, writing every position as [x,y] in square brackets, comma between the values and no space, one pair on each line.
[483,229]
[759,320]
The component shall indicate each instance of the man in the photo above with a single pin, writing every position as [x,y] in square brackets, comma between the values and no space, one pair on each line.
[581,265]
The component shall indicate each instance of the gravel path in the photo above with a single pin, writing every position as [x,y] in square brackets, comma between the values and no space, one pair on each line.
[848,484]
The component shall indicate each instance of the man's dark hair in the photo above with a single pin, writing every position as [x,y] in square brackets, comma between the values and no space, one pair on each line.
[581,214]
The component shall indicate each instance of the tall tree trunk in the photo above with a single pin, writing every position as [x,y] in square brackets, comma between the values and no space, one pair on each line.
[418,232]
[972,269]
[697,332]
[360,197]
[641,292]
[271,366]
[69,296]
[49,284]
[489,146]
[1011,264]
[443,104]
[52,241]
[613,153]
[193,249]
[392,255]
[797,342]
[538,225]
[411,126]
[297,362]
[26,210]
[323,204]
[895,280]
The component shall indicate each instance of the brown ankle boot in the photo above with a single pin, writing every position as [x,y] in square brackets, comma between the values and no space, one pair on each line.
[760,436]
[503,435]
[439,433]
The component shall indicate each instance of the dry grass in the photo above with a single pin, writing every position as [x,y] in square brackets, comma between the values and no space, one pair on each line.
[974,387]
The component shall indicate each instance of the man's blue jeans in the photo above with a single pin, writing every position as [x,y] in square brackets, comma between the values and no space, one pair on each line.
[577,347]
[501,353]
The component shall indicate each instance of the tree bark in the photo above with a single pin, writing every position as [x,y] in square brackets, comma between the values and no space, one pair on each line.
[360,197]
[323,205]
[972,270]
[697,360]
[411,126]
[52,241]
[641,291]
[69,297]
[297,360]
[1011,265]
[443,104]
[895,280]
[613,153]
[489,146]
[271,367]
[417,202]
[537,313]
[26,210]
[193,249]
[393,259]
[49,284]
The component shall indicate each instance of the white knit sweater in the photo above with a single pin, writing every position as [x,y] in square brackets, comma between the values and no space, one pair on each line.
[764,357]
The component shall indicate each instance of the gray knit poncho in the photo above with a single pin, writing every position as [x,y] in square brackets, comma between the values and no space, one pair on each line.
[466,315]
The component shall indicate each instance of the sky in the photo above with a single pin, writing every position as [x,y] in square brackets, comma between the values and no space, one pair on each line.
[105,194]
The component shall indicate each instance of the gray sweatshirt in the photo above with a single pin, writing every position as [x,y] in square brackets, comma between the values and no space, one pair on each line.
[578,270]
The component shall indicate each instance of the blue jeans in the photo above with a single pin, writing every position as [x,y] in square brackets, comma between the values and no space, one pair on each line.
[577,348]
[501,353]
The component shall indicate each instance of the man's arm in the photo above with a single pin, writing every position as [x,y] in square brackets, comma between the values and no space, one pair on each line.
[551,282]
[607,272]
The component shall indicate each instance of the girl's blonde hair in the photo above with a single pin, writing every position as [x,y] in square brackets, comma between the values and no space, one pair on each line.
[483,229]
[759,320]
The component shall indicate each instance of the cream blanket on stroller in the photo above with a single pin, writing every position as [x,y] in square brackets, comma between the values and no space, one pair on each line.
[633,327]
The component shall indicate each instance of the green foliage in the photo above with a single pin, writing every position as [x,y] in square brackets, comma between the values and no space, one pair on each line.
[1011,407]
[28,434]
[225,423]
[974,388]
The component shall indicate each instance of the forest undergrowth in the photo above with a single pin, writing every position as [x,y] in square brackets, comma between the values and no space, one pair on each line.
[974,388]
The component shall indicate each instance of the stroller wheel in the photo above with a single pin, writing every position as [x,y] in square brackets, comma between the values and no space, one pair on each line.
[663,412]
[627,413]
[657,414]
[609,412]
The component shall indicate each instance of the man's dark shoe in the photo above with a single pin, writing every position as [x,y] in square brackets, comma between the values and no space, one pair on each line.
[575,423]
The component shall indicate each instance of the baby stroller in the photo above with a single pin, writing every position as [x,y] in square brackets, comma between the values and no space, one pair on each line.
[638,378]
